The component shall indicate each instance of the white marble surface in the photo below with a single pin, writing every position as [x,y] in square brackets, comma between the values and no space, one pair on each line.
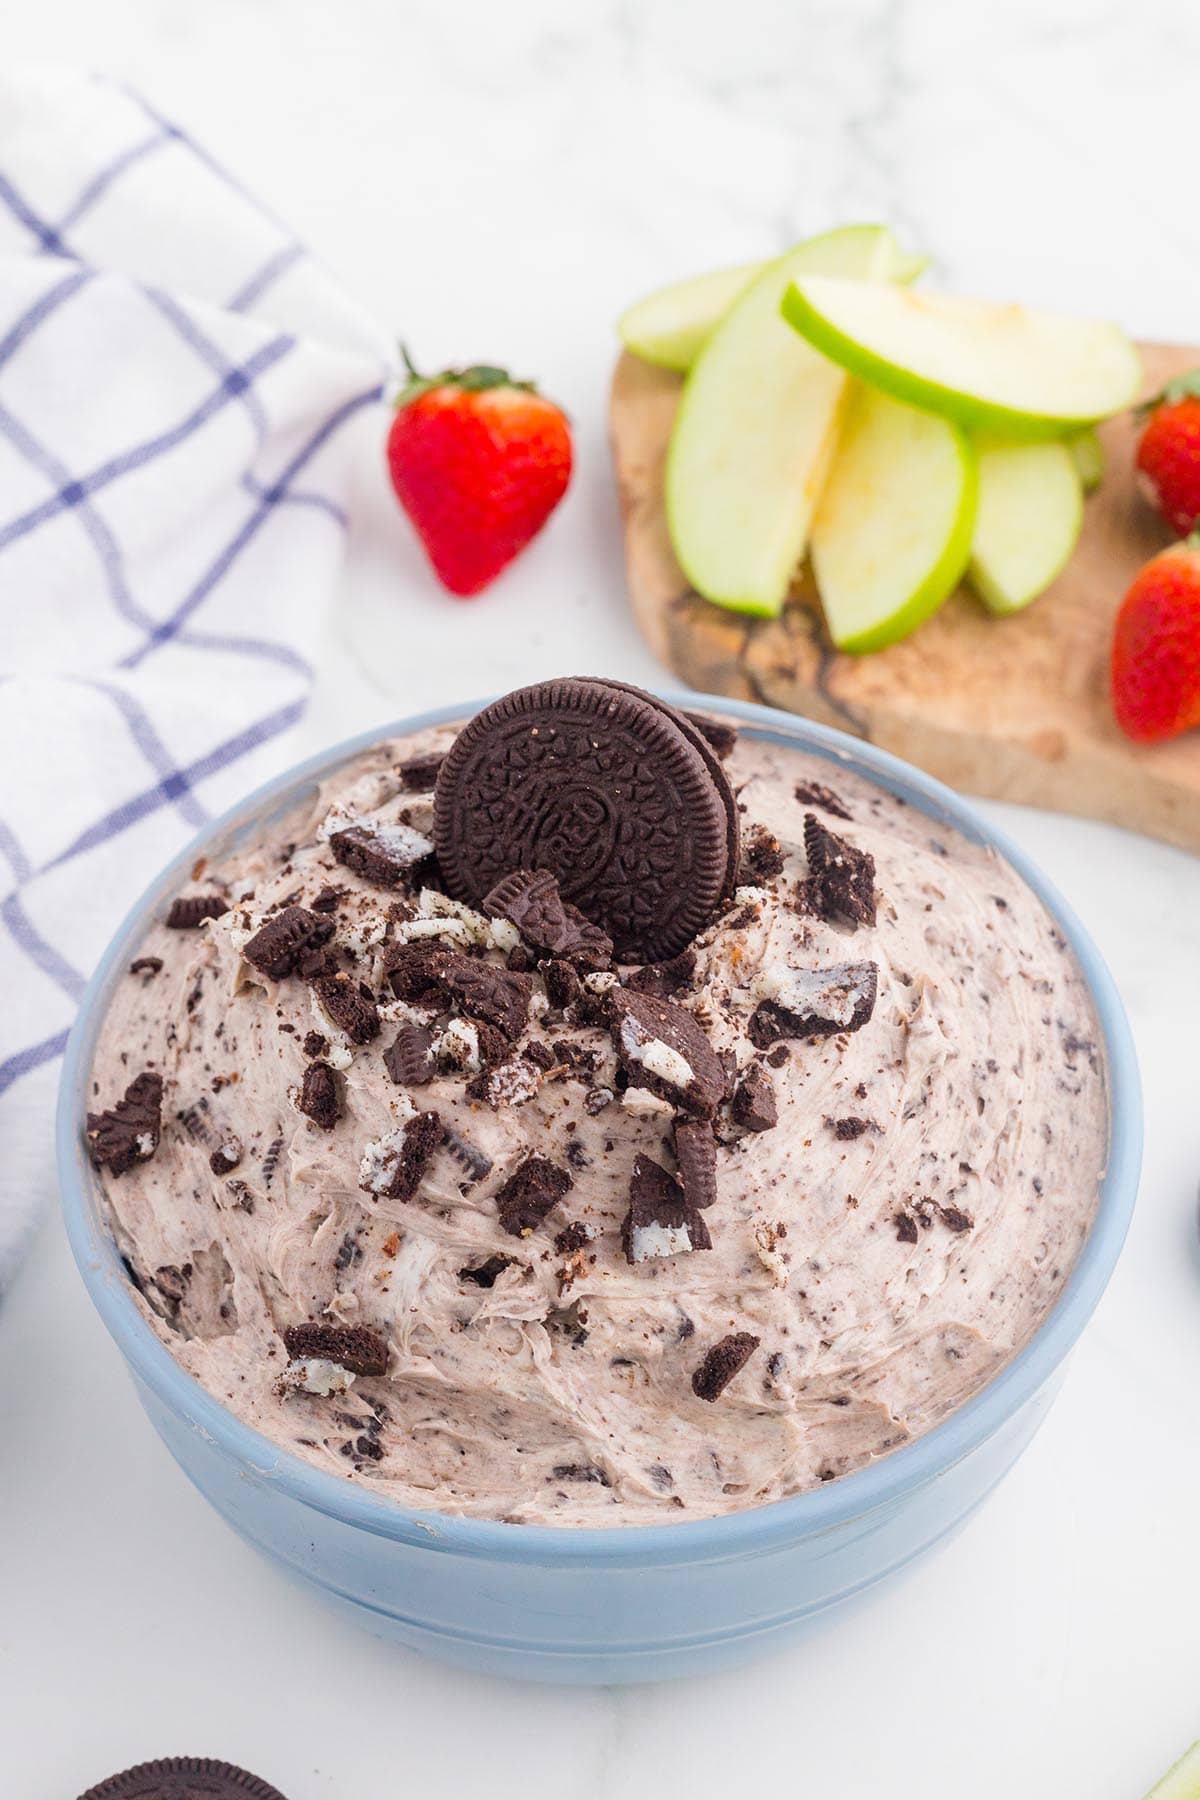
[499,180]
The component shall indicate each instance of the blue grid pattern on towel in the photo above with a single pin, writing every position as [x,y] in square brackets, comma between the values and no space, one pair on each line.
[168,782]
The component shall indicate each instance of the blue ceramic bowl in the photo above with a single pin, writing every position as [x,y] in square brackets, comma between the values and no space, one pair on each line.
[612,1605]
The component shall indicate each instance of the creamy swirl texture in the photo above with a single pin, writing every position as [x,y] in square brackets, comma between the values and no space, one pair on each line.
[889,1241]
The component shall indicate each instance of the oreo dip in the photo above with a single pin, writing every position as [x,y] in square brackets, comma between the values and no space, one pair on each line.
[582,1117]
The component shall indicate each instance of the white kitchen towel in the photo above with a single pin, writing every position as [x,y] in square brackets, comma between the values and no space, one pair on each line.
[177,383]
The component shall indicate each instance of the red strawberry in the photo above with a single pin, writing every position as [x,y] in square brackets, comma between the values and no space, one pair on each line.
[1168,453]
[1156,648]
[478,462]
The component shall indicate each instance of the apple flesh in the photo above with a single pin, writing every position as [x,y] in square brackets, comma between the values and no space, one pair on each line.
[1018,372]
[892,533]
[755,432]
[1088,452]
[671,326]
[1181,1782]
[1029,520]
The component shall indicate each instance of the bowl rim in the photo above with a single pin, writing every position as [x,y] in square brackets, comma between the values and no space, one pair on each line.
[880,1484]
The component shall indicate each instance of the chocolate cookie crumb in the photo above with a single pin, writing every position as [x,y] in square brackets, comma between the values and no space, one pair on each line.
[387,856]
[754,1106]
[848,1129]
[817,1003]
[841,877]
[422,1136]
[350,1006]
[563,986]
[319,1098]
[190,911]
[277,947]
[226,1157]
[149,966]
[580,1472]
[666,978]
[530,900]
[906,1228]
[353,1347]
[815,793]
[575,1236]
[327,900]
[484,1274]
[717,732]
[499,996]
[722,1363]
[407,1058]
[661,1046]
[954,1219]
[534,1189]
[128,1132]
[696,1154]
[762,855]
[660,1220]
[419,774]
[314,1045]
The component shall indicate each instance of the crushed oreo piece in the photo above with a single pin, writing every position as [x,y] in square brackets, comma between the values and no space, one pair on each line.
[327,900]
[696,1155]
[386,855]
[353,1347]
[499,996]
[419,774]
[414,971]
[278,947]
[319,1098]
[534,1189]
[149,966]
[468,1155]
[666,978]
[530,900]
[846,1130]
[722,1363]
[596,1099]
[408,1059]
[576,1236]
[128,1132]
[661,1221]
[814,1003]
[841,878]
[906,1227]
[954,1219]
[762,855]
[563,986]
[580,1472]
[815,793]
[509,1083]
[754,1106]
[190,911]
[422,1136]
[350,1006]
[484,1274]
[314,1044]
[716,732]
[226,1157]
[660,1046]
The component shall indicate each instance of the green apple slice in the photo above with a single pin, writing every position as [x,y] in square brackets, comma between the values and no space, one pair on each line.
[1029,519]
[1182,1782]
[892,533]
[1008,369]
[755,432]
[1088,453]
[671,326]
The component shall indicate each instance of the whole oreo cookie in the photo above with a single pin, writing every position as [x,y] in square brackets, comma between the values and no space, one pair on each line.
[604,787]
[183,1778]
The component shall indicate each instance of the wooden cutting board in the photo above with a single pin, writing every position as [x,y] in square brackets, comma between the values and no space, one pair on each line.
[1016,709]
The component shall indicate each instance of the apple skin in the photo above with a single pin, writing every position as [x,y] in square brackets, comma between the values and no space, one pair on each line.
[733,411]
[972,410]
[671,326]
[943,576]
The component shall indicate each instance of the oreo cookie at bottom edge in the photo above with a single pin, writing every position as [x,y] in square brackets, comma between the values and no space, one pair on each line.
[602,786]
[183,1778]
